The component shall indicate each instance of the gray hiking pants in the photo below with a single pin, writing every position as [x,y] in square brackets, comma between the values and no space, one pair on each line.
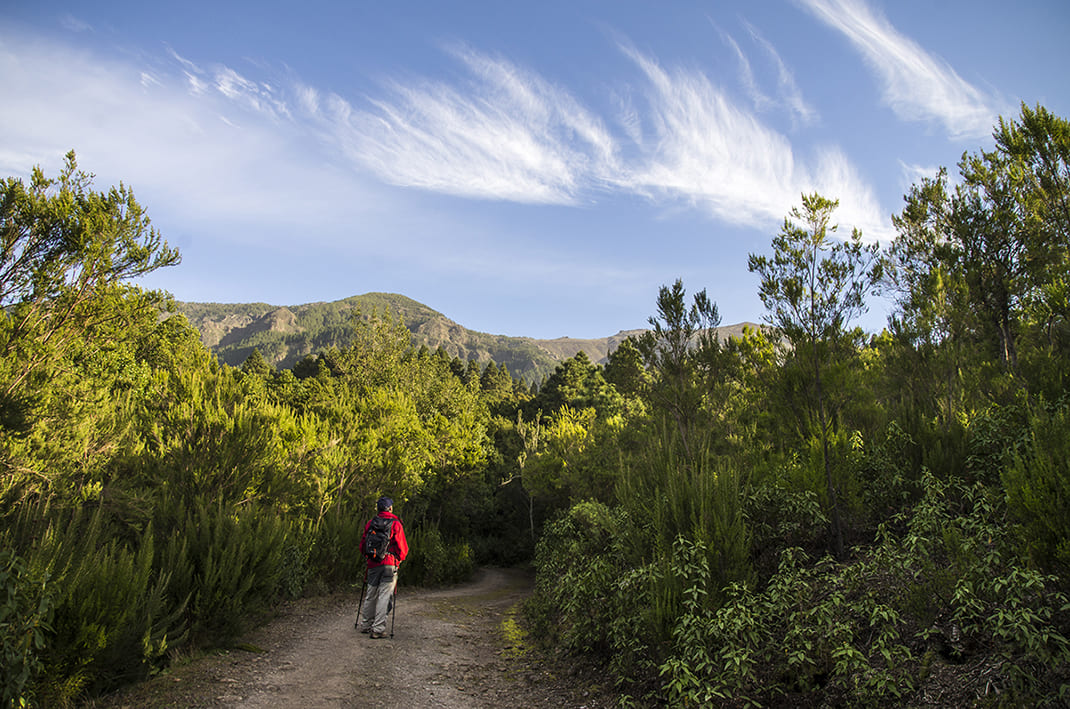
[381,582]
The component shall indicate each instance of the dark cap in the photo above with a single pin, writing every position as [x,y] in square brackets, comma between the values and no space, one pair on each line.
[384,503]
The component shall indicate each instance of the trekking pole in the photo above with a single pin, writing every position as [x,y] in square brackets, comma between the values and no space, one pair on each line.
[394,601]
[360,606]
[394,611]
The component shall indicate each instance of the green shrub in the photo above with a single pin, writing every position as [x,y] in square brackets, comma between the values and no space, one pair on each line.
[591,597]
[574,585]
[779,516]
[25,608]
[812,626]
[950,586]
[998,602]
[237,560]
[433,561]
[334,556]
[1038,491]
[890,474]
[114,618]
[667,496]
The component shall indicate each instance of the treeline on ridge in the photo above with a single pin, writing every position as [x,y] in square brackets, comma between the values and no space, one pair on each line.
[801,515]
[285,335]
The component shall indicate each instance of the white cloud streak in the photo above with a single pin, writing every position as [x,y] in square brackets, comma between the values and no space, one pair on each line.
[761,101]
[917,85]
[707,150]
[213,137]
[508,135]
[790,94]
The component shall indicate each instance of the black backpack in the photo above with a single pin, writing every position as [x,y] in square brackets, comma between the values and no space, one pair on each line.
[377,538]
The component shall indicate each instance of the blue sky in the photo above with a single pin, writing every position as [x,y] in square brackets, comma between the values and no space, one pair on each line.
[534,169]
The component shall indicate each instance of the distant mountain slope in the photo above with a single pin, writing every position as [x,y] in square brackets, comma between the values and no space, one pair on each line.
[285,335]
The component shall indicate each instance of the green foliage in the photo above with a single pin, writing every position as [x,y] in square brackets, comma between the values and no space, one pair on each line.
[64,249]
[980,267]
[778,516]
[587,602]
[333,552]
[434,561]
[810,626]
[976,594]
[812,287]
[25,609]
[578,383]
[681,344]
[256,365]
[615,581]
[114,619]
[701,501]
[237,560]
[860,633]
[625,371]
[577,457]
[1038,491]
[888,473]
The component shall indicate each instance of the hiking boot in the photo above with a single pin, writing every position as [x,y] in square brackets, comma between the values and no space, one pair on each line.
[365,630]
[376,636]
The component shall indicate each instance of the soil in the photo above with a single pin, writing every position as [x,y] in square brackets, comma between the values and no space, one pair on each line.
[451,648]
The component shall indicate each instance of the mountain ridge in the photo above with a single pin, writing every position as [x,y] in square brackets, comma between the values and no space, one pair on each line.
[286,334]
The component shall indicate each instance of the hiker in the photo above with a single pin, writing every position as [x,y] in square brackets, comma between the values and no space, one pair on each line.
[381,575]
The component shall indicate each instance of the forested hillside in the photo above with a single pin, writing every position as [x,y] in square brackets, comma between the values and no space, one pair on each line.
[799,515]
[285,335]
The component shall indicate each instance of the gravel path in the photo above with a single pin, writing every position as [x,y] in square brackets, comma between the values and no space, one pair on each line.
[453,648]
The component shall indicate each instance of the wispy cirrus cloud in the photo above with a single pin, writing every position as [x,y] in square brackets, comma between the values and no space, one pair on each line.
[758,97]
[72,23]
[790,94]
[917,85]
[508,134]
[504,133]
[706,149]
[263,98]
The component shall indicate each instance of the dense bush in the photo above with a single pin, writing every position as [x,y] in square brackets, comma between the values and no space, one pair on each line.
[25,609]
[434,561]
[1038,490]
[615,581]
[868,632]
[114,617]
[589,595]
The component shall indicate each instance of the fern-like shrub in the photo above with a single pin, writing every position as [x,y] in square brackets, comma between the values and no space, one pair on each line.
[25,608]
[334,556]
[1038,491]
[237,561]
[114,618]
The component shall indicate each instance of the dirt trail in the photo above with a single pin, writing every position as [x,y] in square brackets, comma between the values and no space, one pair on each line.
[451,649]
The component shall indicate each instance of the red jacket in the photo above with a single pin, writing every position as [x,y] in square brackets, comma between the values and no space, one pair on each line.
[398,548]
